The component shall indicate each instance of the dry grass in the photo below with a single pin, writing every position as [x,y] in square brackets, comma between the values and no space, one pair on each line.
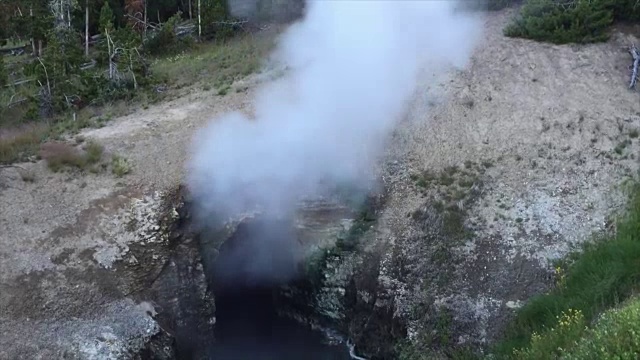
[59,155]
[94,152]
[17,143]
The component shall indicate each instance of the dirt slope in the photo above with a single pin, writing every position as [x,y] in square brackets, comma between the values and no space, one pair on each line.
[528,148]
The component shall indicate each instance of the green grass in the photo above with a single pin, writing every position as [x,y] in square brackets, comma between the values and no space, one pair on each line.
[614,335]
[217,64]
[604,274]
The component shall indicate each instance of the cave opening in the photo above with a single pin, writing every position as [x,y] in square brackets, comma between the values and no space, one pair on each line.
[251,267]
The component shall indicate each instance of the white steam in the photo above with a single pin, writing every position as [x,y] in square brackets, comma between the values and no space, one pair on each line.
[353,67]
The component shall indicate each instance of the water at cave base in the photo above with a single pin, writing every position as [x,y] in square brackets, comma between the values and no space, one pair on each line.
[248,327]
[247,324]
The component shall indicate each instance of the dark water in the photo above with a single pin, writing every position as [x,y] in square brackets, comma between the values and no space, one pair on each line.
[251,265]
[247,327]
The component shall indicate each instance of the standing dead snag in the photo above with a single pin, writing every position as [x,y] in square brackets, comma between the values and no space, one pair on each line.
[636,61]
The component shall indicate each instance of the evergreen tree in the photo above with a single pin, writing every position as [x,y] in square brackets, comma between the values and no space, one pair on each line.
[216,19]
[581,21]
[106,19]
[38,23]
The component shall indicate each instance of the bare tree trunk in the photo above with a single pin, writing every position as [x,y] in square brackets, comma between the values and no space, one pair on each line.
[190,11]
[199,18]
[133,73]
[108,39]
[39,47]
[159,21]
[145,19]
[636,61]
[33,41]
[86,28]
[68,16]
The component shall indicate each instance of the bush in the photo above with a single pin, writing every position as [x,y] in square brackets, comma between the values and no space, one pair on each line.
[605,273]
[59,155]
[165,41]
[499,4]
[550,345]
[120,166]
[216,20]
[616,335]
[561,21]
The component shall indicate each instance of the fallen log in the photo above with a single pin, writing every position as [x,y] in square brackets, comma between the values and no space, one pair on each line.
[636,61]
[11,50]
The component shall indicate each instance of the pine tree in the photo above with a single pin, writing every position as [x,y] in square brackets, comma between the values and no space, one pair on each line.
[216,19]
[106,19]
[581,21]
[38,24]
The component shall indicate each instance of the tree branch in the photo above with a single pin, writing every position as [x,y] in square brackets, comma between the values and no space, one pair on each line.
[636,61]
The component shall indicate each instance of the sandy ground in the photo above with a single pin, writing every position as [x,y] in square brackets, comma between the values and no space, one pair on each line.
[547,117]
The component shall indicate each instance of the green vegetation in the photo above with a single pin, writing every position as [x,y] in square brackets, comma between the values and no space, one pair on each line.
[346,242]
[120,166]
[499,4]
[220,64]
[575,21]
[361,224]
[52,85]
[615,335]
[18,143]
[604,274]
[450,190]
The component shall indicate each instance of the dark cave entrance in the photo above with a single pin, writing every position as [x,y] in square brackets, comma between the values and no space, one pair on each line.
[252,265]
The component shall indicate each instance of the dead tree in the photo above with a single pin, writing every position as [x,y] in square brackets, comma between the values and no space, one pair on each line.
[636,61]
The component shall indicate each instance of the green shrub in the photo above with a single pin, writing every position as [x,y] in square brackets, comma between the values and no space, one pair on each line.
[616,335]
[561,21]
[216,21]
[499,4]
[165,41]
[605,273]
[120,166]
[553,341]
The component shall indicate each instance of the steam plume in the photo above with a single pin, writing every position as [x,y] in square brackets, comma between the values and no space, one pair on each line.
[353,67]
